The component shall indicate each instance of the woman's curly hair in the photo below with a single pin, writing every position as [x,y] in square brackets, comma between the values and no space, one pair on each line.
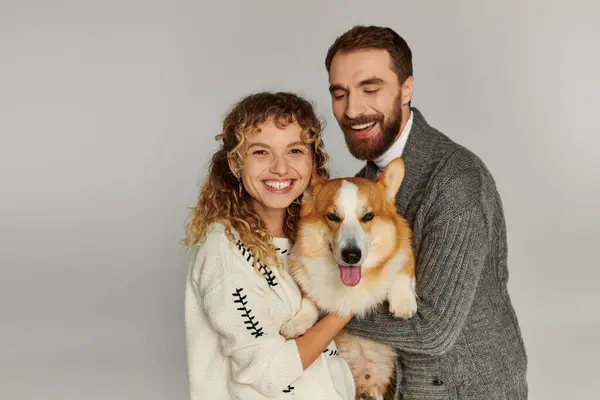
[220,199]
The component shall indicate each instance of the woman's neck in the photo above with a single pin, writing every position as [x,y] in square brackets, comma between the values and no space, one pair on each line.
[273,219]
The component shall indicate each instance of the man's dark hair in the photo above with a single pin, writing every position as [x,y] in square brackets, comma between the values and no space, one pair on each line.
[363,37]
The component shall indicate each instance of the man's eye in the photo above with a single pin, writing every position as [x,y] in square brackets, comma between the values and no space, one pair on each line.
[373,91]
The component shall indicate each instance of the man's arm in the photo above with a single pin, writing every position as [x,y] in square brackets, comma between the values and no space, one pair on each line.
[452,253]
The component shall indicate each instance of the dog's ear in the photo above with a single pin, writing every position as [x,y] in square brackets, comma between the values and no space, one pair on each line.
[316,181]
[315,178]
[392,177]
[307,205]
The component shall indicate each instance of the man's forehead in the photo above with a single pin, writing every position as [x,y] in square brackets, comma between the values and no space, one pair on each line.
[359,65]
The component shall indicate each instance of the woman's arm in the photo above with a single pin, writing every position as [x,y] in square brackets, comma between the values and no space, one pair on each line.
[240,312]
[238,308]
[316,339]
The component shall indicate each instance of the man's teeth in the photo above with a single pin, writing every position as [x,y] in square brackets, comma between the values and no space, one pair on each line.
[362,126]
[279,185]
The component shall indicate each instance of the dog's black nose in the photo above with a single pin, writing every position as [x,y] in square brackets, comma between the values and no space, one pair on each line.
[351,255]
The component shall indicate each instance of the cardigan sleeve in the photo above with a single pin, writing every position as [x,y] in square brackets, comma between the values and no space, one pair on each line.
[239,310]
[451,256]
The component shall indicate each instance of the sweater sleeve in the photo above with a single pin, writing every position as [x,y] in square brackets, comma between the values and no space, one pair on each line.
[449,263]
[239,310]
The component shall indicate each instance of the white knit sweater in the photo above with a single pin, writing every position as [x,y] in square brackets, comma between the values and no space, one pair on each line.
[233,315]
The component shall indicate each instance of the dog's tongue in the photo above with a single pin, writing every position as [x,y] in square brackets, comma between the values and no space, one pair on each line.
[350,276]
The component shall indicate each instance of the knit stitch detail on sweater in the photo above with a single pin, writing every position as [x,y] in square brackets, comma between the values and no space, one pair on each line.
[264,269]
[288,389]
[246,313]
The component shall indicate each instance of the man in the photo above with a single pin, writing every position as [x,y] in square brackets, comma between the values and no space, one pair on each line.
[465,341]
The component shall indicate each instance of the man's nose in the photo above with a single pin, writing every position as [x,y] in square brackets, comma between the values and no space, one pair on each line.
[355,106]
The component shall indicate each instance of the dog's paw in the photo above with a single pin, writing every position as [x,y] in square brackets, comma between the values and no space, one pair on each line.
[403,305]
[306,317]
[296,326]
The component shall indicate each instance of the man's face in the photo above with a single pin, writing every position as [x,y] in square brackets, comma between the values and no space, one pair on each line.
[367,100]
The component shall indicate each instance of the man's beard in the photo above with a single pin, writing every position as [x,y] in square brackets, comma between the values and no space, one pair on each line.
[373,147]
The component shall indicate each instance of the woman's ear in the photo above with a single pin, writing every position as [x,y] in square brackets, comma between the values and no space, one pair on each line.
[232,167]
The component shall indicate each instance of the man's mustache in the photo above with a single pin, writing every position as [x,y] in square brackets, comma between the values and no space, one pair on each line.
[360,120]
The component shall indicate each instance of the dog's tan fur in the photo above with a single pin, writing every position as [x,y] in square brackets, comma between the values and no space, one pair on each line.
[388,271]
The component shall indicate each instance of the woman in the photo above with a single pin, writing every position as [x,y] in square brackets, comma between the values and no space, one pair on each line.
[238,291]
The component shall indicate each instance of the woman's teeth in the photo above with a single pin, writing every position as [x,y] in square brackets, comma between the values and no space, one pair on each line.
[279,185]
[363,126]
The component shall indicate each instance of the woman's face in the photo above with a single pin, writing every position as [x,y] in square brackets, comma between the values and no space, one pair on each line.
[277,166]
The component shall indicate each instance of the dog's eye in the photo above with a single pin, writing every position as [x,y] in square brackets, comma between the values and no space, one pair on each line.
[333,217]
[367,217]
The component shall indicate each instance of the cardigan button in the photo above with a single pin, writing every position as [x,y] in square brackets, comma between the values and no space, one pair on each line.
[438,382]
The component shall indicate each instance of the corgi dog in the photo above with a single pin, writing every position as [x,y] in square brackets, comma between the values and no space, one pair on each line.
[352,252]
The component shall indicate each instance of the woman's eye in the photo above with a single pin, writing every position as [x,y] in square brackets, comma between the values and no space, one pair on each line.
[297,151]
[260,152]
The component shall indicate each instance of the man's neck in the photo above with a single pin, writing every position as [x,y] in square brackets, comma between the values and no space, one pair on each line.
[397,148]
[406,115]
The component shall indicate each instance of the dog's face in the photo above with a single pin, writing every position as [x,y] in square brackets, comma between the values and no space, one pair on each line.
[353,221]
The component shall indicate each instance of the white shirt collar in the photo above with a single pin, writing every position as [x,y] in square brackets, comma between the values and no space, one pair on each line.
[397,148]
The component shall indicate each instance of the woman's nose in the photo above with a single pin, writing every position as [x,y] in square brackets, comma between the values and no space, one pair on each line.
[279,166]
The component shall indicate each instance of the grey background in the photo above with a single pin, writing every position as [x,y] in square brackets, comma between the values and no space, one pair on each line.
[107,116]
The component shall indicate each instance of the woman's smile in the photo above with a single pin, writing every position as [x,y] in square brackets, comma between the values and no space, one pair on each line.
[279,186]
